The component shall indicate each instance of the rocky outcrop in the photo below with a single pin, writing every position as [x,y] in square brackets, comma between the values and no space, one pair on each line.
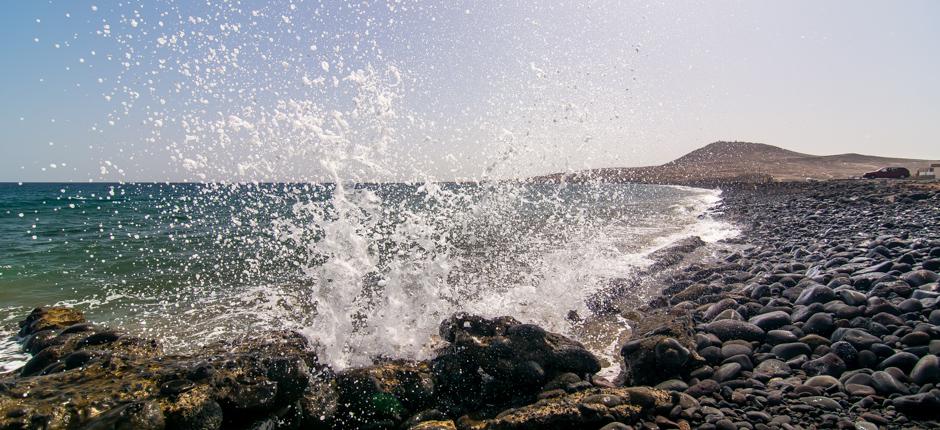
[492,374]
[86,376]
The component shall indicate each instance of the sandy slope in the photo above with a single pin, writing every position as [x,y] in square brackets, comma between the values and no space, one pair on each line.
[744,162]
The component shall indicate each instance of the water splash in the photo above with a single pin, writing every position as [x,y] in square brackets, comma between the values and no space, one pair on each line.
[296,129]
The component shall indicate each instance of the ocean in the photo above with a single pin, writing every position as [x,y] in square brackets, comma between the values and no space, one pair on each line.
[364,270]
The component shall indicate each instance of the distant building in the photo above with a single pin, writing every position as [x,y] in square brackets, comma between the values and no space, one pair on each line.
[929,172]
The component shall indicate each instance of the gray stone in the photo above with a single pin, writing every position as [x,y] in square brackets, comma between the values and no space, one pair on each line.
[731,329]
[787,351]
[822,403]
[726,372]
[773,367]
[771,320]
[927,370]
[815,294]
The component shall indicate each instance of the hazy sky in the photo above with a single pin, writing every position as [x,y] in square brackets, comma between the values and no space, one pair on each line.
[166,90]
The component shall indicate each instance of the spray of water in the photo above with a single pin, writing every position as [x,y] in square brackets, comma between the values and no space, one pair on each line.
[304,132]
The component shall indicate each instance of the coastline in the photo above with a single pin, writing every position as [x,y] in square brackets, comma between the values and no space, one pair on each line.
[822,313]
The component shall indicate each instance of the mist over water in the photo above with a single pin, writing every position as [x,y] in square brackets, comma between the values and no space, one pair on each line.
[318,202]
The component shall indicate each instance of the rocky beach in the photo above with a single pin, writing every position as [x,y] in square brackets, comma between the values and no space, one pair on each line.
[823,313]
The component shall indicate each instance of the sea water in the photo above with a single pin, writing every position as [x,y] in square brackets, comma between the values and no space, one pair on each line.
[364,270]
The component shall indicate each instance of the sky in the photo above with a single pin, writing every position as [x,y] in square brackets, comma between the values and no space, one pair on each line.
[137,90]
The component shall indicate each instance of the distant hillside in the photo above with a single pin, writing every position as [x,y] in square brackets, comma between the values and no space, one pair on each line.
[723,162]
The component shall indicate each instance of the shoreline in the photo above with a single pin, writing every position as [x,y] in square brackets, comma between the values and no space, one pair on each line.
[822,313]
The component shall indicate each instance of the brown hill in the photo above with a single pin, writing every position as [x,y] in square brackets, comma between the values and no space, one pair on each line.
[724,162]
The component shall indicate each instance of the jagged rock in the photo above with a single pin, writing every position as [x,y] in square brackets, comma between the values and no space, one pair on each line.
[501,359]
[389,391]
[114,381]
[663,348]
[50,318]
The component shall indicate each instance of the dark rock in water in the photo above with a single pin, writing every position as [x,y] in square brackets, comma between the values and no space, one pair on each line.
[731,329]
[927,370]
[746,364]
[802,313]
[771,320]
[77,359]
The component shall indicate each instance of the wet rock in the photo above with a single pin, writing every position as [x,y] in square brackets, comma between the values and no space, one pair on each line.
[902,360]
[664,349]
[787,351]
[857,338]
[773,368]
[822,403]
[571,410]
[825,382]
[776,337]
[498,360]
[815,294]
[919,405]
[731,329]
[434,425]
[820,324]
[732,348]
[132,416]
[920,277]
[771,320]
[886,384]
[726,372]
[50,318]
[927,370]
[702,388]
[136,387]
[829,364]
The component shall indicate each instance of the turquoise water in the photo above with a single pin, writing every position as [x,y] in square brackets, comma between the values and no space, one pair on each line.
[188,263]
